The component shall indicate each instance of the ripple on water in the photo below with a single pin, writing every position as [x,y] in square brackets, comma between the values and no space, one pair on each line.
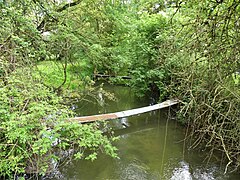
[182,172]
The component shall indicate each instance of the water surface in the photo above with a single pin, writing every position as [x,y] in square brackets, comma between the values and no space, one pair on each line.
[151,147]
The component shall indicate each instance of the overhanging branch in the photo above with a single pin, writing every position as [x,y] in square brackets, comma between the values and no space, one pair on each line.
[49,17]
[69,5]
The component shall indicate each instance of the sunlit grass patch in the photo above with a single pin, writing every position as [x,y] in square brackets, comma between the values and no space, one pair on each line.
[52,74]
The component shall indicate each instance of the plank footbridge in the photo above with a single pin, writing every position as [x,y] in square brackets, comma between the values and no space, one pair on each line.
[122,114]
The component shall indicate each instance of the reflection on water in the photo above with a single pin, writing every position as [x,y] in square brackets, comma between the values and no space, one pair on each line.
[182,172]
[150,148]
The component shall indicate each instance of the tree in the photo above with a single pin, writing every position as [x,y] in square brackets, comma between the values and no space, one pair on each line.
[33,120]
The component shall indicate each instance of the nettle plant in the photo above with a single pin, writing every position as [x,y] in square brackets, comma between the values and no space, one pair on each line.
[34,132]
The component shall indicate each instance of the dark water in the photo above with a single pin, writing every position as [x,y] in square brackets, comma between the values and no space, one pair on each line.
[150,147]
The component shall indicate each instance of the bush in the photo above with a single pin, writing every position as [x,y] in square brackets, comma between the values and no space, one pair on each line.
[35,132]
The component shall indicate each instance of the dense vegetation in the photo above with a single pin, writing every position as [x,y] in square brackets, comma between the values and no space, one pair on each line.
[172,49]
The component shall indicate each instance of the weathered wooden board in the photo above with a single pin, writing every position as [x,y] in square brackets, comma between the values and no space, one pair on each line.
[101,117]
[109,76]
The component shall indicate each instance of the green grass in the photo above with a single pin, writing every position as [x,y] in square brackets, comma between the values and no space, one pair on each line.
[51,72]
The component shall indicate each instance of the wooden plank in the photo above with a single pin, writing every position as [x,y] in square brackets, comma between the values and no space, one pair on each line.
[109,76]
[127,113]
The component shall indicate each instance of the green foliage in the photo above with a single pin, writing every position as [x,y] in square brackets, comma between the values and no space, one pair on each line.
[35,130]
[189,51]
[148,68]
[185,49]
[34,127]
[20,41]
[203,77]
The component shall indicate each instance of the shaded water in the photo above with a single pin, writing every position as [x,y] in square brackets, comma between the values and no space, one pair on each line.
[151,147]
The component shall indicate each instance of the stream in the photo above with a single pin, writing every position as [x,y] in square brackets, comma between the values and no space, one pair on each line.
[150,146]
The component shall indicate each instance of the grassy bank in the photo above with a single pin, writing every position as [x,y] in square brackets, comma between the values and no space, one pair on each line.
[78,75]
